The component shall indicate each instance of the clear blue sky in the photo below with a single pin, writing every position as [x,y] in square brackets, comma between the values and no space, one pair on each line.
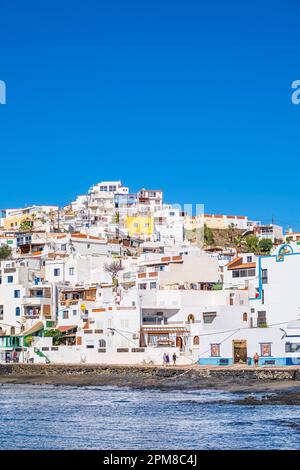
[191,96]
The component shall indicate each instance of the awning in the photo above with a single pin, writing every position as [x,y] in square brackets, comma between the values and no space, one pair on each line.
[63,329]
[33,329]
[164,330]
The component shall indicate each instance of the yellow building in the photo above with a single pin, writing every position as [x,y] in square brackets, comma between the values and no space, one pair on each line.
[13,222]
[139,225]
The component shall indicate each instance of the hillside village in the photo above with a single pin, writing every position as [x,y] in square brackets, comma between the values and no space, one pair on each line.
[117,277]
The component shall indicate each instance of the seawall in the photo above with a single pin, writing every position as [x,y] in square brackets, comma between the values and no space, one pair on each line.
[146,376]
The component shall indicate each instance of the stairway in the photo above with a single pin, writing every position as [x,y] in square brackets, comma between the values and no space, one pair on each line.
[41,354]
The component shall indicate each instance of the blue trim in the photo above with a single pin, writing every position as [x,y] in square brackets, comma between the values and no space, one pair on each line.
[214,361]
[260,288]
[293,361]
[276,361]
[280,256]
[263,361]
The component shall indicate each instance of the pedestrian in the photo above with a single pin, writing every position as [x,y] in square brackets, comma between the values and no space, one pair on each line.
[164,359]
[256,359]
[174,359]
[167,359]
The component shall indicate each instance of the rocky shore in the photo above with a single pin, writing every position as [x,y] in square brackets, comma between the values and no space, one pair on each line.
[278,385]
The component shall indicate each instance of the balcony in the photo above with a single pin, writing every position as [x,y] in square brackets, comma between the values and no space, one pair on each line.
[35,301]
[32,312]
[69,302]
[32,309]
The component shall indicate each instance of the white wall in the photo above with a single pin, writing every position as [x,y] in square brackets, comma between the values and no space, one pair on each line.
[77,355]
[282,293]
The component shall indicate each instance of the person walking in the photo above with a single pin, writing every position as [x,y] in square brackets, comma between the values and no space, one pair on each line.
[174,359]
[164,359]
[256,359]
[167,360]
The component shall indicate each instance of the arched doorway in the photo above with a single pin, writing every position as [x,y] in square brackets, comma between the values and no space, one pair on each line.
[179,342]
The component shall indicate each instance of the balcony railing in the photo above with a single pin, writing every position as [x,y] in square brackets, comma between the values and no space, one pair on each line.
[68,302]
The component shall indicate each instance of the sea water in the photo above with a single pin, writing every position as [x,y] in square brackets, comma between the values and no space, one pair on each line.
[68,417]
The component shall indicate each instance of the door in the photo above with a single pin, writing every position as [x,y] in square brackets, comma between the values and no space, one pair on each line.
[240,351]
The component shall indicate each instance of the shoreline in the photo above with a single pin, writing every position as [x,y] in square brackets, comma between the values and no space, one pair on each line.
[278,385]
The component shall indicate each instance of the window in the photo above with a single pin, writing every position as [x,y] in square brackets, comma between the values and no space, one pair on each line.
[18,311]
[245,316]
[65,314]
[102,343]
[191,318]
[249,259]
[209,317]
[196,341]
[10,279]
[152,285]
[71,271]
[56,272]
[261,319]
[264,276]
[292,347]
[74,312]
[243,273]
[143,286]
[265,349]
[215,350]
[16,294]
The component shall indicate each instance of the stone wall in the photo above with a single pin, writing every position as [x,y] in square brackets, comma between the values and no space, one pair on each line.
[194,373]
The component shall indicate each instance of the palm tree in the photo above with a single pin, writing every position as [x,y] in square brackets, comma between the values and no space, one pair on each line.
[252,244]
[238,243]
[231,231]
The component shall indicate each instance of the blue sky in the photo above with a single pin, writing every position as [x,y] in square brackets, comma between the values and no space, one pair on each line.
[189,96]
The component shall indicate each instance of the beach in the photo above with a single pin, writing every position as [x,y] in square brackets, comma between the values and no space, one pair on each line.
[275,385]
